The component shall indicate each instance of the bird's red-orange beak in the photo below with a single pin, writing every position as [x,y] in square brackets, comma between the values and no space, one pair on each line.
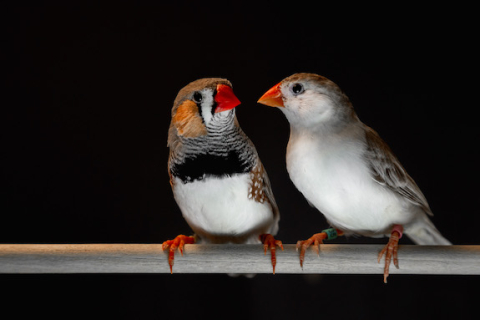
[225,98]
[272,97]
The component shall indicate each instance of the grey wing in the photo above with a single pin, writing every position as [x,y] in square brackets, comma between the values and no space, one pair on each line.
[388,172]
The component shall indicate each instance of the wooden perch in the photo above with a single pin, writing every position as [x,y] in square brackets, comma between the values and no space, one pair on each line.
[149,258]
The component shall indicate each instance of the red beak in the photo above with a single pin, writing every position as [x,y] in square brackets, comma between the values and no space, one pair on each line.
[225,98]
[272,97]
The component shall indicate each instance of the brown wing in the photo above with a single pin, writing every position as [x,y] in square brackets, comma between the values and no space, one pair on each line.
[261,190]
[388,172]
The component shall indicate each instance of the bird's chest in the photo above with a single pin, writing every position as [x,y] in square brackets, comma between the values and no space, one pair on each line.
[336,180]
[200,165]
[221,205]
[324,172]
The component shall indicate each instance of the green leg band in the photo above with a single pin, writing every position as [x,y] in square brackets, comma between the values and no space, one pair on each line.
[331,233]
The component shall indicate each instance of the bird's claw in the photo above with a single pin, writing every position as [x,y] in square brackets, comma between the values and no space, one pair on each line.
[316,240]
[179,242]
[390,249]
[269,242]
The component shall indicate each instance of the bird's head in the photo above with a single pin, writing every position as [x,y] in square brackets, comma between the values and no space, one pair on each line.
[308,100]
[203,104]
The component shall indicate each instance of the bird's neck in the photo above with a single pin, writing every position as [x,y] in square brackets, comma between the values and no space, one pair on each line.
[332,127]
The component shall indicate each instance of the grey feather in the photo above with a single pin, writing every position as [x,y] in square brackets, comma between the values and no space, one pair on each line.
[388,172]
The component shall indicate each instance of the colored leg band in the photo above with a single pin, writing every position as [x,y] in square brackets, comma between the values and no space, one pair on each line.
[331,233]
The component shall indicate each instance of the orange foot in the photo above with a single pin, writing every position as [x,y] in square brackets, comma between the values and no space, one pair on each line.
[316,239]
[391,249]
[178,242]
[269,241]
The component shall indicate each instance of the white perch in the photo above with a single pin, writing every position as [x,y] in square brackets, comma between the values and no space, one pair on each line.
[149,258]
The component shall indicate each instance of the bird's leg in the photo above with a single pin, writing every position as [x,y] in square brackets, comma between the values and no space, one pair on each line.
[316,239]
[178,242]
[391,249]
[269,241]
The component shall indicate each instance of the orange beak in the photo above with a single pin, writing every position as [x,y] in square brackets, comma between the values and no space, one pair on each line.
[272,97]
[225,98]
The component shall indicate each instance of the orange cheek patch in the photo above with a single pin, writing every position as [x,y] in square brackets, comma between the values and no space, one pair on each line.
[188,122]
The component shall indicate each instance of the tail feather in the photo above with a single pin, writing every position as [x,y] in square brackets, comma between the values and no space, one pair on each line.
[424,232]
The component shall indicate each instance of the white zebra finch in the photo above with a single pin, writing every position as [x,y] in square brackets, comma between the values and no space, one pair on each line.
[345,170]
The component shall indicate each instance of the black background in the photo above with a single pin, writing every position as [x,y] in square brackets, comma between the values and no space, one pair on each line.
[87,99]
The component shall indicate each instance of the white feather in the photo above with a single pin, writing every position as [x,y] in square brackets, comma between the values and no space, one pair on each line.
[222,207]
[333,176]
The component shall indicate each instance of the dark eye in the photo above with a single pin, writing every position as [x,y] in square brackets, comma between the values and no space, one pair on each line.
[297,89]
[197,97]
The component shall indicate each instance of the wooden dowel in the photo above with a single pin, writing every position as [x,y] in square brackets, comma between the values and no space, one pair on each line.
[149,258]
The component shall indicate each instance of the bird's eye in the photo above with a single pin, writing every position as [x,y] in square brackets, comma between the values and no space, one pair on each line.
[297,89]
[197,97]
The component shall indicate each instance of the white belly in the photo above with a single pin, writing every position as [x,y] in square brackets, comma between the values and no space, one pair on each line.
[338,183]
[222,207]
